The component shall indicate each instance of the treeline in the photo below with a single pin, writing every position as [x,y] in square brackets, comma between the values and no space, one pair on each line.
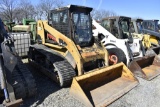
[16,10]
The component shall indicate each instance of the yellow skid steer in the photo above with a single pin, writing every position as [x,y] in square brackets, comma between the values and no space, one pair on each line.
[67,51]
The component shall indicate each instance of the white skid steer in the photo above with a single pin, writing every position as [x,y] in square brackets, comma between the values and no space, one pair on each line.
[123,48]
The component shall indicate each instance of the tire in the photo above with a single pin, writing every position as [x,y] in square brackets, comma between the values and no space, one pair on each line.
[119,53]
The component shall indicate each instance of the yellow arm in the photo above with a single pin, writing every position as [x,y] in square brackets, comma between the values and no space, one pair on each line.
[71,47]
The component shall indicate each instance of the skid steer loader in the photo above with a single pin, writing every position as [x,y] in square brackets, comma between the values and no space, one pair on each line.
[16,81]
[66,51]
[129,48]
[113,32]
[149,39]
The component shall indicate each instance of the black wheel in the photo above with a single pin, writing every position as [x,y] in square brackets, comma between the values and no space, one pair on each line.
[117,55]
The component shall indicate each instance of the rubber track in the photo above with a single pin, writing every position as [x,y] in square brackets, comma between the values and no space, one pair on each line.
[63,67]
[65,71]
[24,83]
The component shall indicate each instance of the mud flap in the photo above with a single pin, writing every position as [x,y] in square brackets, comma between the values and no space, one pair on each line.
[103,86]
[147,67]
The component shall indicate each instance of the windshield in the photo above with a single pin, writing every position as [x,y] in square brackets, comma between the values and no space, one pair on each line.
[132,27]
[106,24]
[156,26]
[82,27]
[124,26]
[139,26]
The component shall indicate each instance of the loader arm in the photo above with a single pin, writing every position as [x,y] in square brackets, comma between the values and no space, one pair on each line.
[71,47]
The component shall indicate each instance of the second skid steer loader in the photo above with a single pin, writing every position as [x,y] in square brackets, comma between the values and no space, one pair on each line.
[66,48]
[132,48]
[113,32]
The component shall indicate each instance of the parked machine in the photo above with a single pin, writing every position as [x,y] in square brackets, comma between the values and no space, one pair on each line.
[66,51]
[117,35]
[8,25]
[24,35]
[16,81]
[116,30]
[151,27]
[146,31]
[29,26]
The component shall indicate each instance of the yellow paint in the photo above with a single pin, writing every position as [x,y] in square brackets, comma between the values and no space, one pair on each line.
[70,46]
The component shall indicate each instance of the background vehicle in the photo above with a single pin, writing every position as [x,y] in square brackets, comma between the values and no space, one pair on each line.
[146,30]
[149,39]
[29,26]
[116,36]
[24,34]
[132,48]
[8,25]
[66,48]
[15,79]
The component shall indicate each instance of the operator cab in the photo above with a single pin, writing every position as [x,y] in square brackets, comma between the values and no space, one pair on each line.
[136,26]
[119,26]
[74,22]
[151,25]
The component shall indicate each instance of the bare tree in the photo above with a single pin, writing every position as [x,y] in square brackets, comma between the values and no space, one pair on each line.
[46,5]
[27,9]
[7,8]
[100,14]
[38,12]
[18,16]
[59,3]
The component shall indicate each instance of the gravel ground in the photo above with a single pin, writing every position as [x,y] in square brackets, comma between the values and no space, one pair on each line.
[146,94]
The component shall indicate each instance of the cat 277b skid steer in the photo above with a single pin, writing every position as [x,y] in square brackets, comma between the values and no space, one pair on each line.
[66,48]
